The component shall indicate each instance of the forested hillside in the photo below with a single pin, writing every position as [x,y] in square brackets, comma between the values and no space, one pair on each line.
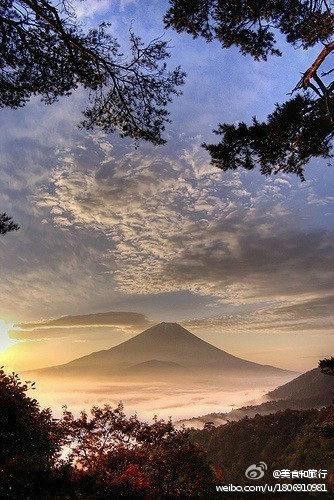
[290,439]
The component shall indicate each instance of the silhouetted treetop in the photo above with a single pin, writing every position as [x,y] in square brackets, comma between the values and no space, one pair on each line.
[114,455]
[326,365]
[298,129]
[253,25]
[30,440]
[44,51]
[7,224]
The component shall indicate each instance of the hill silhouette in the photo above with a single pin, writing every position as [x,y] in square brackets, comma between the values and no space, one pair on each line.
[311,385]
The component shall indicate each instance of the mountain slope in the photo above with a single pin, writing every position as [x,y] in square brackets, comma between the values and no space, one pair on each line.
[156,368]
[310,385]
[167,342]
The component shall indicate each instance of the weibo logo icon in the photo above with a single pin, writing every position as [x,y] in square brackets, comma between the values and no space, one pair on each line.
[256,471]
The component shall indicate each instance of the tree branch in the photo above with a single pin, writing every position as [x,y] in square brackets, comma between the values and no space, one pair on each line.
[312,70]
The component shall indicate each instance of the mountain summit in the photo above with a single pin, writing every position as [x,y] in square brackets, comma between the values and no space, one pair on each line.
[168,346]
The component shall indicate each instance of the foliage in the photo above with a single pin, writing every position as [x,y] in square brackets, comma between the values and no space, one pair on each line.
[300,128]
[252,25]
[113,455]
[7,224]
[44,51]
[29,440]
[289,439]
[327,366]
[103,454]
[295,132]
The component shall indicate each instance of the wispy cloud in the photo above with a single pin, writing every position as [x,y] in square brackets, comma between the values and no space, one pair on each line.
[313,315]
[111,318]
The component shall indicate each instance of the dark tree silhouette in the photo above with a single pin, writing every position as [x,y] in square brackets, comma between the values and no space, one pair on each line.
[296,444]
[114,455]
[29,441]
[327,366]
[44,51]
[300,128]
[101,454]
[7,224]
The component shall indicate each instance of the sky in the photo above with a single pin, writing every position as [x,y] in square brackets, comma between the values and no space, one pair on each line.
[243,261]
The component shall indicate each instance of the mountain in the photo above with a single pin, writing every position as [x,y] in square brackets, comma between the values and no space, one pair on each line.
[312,385]
[163,343]
[156,368]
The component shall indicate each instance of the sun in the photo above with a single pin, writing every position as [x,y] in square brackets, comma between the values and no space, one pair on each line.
[4,337]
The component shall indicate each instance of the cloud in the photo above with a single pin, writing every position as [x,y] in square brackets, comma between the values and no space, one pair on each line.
[85,325]
[111,318]
[259,266]
[86,10]
[315,315]
[105,225]
[174,223]
[320,307]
